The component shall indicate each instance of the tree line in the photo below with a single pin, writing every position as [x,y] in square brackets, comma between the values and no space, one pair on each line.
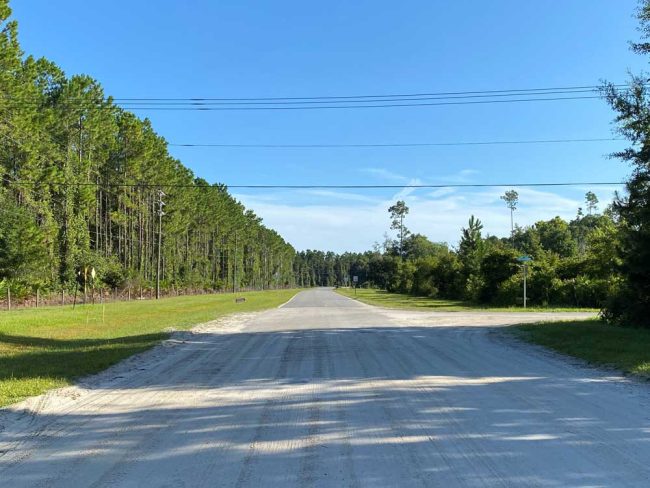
[85,184]
[573,263]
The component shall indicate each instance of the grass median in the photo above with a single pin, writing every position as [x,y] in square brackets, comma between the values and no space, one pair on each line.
[383,298]
[623,348]
[50,347]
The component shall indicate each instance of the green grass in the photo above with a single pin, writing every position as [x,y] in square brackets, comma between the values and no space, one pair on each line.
[397,300]
[50,347]
[623,348]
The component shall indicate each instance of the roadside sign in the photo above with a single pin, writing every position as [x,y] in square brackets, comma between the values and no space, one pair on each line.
[524,259]
[355,279]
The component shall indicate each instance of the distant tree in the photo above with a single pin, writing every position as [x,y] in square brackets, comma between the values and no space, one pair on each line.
[526,240]
[470,240]
[511,197]
[578,231]
[418,246]
[555,236]
[602,259]
[591,201]
[397,214]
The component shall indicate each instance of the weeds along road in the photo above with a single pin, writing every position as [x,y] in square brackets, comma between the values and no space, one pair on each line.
[329,392]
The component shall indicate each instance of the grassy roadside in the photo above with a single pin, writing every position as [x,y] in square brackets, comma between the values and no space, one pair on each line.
[47,348]
[594,341]
[396,300]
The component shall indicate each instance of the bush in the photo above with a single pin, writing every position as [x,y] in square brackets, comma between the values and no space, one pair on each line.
[509,292]
[424,278]
[542,282]
[19,290]
[590,292]
[497,266]
[112,274]
[402,280]
[473,288]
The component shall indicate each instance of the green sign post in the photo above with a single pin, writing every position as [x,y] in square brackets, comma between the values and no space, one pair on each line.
[524,260]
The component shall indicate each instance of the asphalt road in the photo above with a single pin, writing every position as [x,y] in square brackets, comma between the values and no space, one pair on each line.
[329,392]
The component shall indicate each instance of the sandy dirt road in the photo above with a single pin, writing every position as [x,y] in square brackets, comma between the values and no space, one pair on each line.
[329,392]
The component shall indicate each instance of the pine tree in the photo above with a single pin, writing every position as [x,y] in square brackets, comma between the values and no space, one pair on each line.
[632,305]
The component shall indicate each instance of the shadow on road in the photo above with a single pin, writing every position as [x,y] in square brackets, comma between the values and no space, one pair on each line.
[360,406]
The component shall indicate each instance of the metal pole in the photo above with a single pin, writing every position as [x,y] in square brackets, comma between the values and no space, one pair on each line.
[525,273]
[161,194]
[234,271]
[158,264]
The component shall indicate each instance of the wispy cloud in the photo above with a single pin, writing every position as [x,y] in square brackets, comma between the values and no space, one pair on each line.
[339,195]
[405,192]
[385,174]
[441,192]
[438,215]
[462,176]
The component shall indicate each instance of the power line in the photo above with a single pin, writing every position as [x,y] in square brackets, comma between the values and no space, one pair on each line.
[340,187]
[215,102]
[516,91]
[317,103]
[199,108]
[334,107]
[208,102]
[408,144]
[423,99]
[432,186]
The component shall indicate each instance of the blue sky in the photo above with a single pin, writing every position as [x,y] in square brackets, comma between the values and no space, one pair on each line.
[201,48]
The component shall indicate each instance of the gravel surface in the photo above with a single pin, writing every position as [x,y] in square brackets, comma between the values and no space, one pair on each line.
[326,391]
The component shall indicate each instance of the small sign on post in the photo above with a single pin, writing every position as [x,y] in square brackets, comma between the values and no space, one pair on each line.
[355,280]
[93,274]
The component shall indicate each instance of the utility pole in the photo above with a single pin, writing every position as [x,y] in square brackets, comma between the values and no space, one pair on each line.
[525,273]
[234,271]
[161,204]
[266,267]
